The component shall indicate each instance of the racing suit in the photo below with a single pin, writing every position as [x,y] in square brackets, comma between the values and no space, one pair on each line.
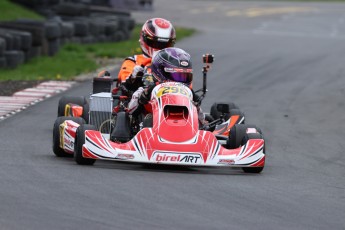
[128,84]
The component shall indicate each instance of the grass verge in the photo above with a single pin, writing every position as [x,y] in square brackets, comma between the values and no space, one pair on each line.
[11,11]
[75,59]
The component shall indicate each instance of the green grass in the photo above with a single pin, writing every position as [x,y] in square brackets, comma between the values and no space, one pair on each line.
[12,11]
[75,59]
[72,59]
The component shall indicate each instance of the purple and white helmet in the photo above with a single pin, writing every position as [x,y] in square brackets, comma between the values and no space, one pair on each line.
[172,64]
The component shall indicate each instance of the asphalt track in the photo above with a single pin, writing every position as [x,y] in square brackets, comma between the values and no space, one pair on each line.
[282,63]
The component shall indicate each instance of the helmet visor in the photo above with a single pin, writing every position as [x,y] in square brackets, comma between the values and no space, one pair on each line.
[158,43]
[179,75]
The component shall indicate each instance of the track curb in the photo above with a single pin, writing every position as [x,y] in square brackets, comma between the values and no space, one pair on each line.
[21,100]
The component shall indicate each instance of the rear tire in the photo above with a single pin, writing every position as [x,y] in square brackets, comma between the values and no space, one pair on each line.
[209,118]
[216,114]
[56,135]
[85,115]
[69,99]
[78,145]
[234,112]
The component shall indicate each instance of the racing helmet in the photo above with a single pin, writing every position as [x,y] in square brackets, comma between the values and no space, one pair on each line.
[156,34]
[172,64]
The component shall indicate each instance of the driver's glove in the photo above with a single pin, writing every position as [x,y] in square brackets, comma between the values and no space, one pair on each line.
[146,95]
[138,71]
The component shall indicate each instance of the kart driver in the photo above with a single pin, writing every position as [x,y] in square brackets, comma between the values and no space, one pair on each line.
[169,64]
[156,34]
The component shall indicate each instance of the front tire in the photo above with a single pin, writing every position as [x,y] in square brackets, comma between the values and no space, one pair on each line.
[58,151]
[78,145]
[253,169]
[246,138]
[237,134]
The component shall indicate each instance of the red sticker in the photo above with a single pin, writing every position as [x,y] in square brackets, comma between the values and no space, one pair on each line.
[162,23]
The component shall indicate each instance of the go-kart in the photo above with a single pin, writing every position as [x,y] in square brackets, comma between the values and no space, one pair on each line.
[171,134]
